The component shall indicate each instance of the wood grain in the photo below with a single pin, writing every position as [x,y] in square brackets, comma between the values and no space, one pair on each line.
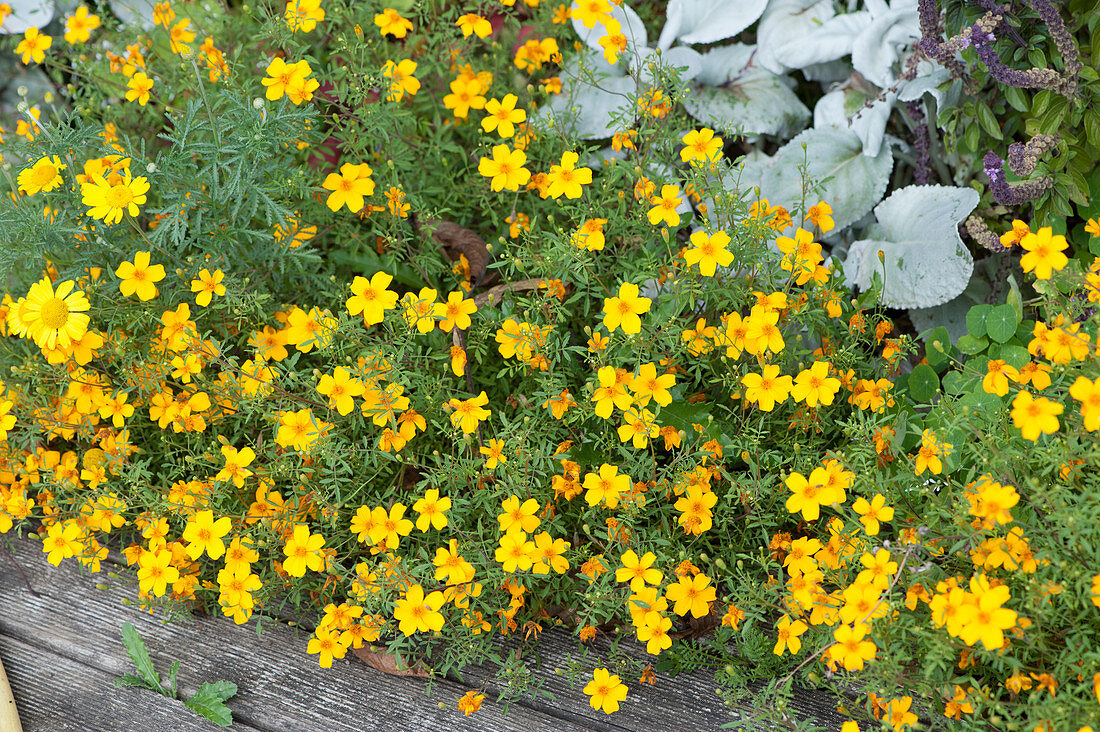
[66,650]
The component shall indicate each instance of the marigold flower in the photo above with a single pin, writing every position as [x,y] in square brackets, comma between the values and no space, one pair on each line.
[767,388]
[475,24]
[204,535]
[691,595]
[33,46]
[872,512]
[372,298]
[401,78]
[788,635]
[349,187]
[390,23]
[501,115]
[455,312]
[469,413]
[605,689]
[79,26]
[566,179]
[1035,416]
[207,285]
[701,147]
[623,311]
[709,252]
[814,385]
[1044,253]
[505,168]
[1016,234]
[303,15]
[139,277]
[606,485]
[303,552]
[155,572]
[665,205]
[470,702]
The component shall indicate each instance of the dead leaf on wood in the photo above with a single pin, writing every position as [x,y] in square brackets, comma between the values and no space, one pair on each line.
[698,627]
[390,663]
[492,296]
[458,240]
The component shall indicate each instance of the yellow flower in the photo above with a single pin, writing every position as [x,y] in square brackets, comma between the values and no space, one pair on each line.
[638,571]
[180,36]
[107,198]
[821,216]
[471,700]
[55,318]
[664,206]
[502,116]
[326,644]
[204,534]
[1034,416]
[303,552]
[455,312]
[341,389]
[1016,235]
[207,285]
[401,78]
[518,516]
[623,311]
[767,388]
[471,23]
[372,297]
[692,595]
[465,95]
[709,252]
[33,46]
[788,635]
[590,235]
[44,175]
[349,187]
[505,168]
[139,85]
[1044,253]
[390,22]
[701,147]
[605,688]
[814,385]
[139,277]
[606,485]
[567,179]
[79,26]
[469,413]
[872,512]
[432,510]
[281,75]
[155,572]
[303,15]
[494,453]
[236,465]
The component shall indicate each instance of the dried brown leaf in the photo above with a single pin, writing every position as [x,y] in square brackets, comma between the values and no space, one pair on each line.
[390,663]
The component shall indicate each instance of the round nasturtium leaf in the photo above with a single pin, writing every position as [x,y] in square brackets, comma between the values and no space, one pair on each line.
[1001,322]
[923,383]
[975,319]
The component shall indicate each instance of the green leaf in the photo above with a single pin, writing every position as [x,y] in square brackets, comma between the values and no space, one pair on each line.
[135,647]
[955,383]
[971,345]
[1001,322]
[988,121]
[975,319]
[1015,356]
[936,356]
[132,680]
[209,701]
[923,383]
[1016,98]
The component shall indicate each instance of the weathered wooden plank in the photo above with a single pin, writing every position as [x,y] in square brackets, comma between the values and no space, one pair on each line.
[57,694]
[280,687]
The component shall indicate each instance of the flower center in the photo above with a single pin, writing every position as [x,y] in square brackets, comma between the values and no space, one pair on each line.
[119,196]
[54,313]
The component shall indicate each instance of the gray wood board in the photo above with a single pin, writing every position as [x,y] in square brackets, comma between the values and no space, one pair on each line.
[280,686]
